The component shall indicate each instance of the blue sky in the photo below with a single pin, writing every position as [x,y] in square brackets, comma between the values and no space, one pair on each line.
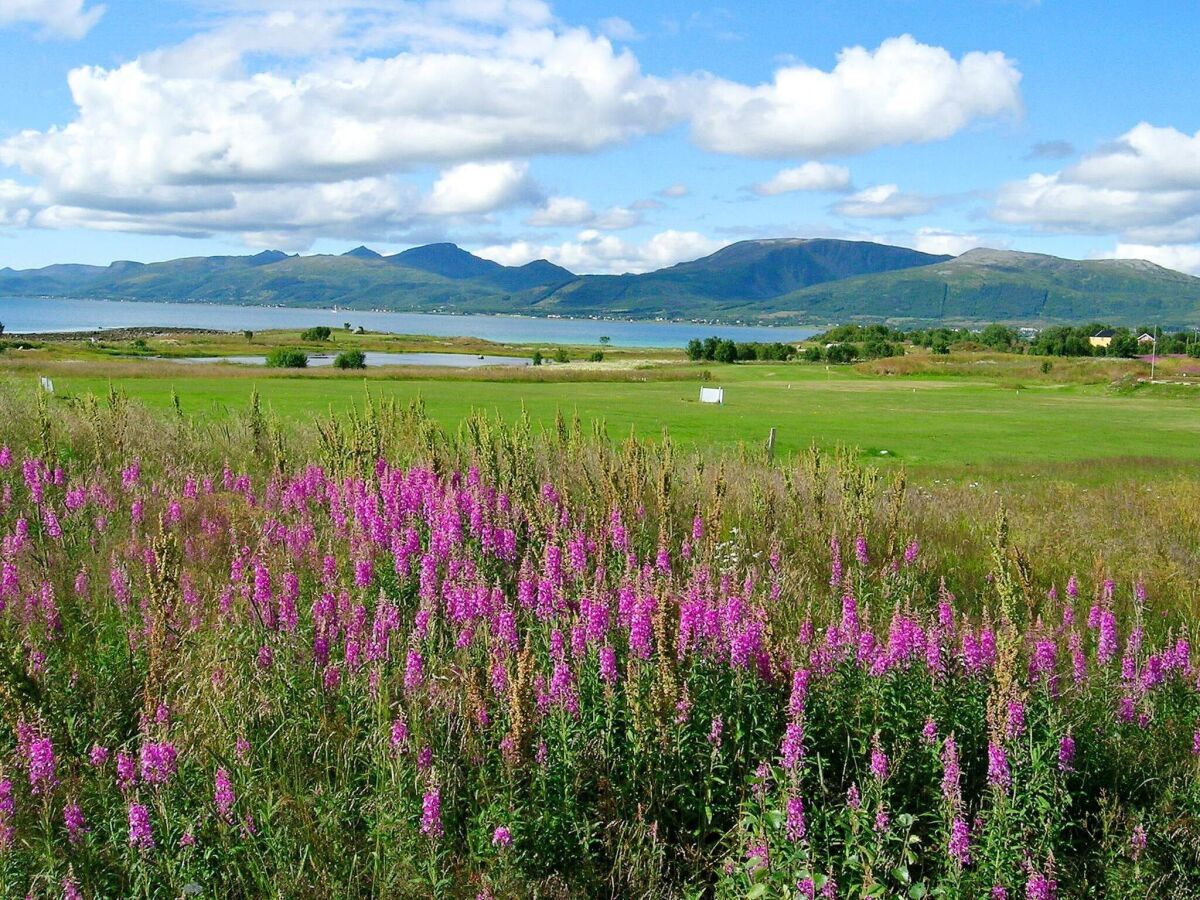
[614,137]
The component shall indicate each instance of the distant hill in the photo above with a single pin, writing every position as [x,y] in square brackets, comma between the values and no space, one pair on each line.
[1008,286]
[814,281]
[744,275]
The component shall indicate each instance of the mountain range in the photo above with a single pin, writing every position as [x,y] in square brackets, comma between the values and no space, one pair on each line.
[784,280]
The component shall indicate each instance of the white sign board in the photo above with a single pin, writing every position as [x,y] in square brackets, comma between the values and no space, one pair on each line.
[712,395]
[47,385]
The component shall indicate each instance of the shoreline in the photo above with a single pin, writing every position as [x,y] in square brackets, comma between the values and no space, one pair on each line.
[443,314]
[117,333]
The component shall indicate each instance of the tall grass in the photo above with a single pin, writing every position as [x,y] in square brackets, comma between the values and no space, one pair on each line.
[372,658]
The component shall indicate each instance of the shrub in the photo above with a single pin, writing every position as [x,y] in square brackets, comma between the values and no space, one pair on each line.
[287,358]
[560,355]
[841,353]
[350,359]
[248,334]
[726,352]
[537,357]
[319,333]
[596,356]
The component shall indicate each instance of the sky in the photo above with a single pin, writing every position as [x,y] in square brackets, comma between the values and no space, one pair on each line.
[605,137]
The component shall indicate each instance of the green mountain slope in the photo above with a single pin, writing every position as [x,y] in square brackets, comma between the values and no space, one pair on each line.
[742,276]
[813,281]
[1006,286]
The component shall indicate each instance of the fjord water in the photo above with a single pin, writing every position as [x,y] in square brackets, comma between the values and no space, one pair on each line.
[26,315]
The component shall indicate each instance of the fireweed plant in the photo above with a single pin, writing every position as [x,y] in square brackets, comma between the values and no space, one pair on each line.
[396,662]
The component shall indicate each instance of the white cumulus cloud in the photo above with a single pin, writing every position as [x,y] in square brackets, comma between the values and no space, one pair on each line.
[811,176]
[950,243]
[1181,257]
[883,201]
[17,204]
[902,92]
[558,212]
[535,92]
[473,188]
[279,98]
[593,252]
[1145,185]
[54,18]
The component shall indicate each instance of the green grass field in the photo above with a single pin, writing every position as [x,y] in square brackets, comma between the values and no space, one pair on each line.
[929,423]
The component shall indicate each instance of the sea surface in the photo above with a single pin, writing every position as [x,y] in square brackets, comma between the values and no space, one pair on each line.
[24,315]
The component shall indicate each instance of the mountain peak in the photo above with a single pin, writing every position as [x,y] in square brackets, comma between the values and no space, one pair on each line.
[362,252]
[267,257]
[447,260]
[985,256]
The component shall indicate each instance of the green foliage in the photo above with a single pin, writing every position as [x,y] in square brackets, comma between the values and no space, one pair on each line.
[1064,340]
[715,349]
[841,353]
[287,358]
[999,337]
[350,359]
[726,352]
[537,357]
[317,333]
[560,355]
[1124,345]
[248,335]
[596,356]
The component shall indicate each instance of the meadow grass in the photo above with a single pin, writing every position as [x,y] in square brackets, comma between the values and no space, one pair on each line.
[364,655]
[932,422]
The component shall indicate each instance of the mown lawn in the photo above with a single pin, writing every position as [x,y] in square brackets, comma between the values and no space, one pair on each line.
[929,423]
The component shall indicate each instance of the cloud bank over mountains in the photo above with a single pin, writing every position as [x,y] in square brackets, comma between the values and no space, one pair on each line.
[377,120]
[283,123]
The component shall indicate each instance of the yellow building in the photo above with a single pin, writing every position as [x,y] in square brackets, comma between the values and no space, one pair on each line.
[1102,338]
